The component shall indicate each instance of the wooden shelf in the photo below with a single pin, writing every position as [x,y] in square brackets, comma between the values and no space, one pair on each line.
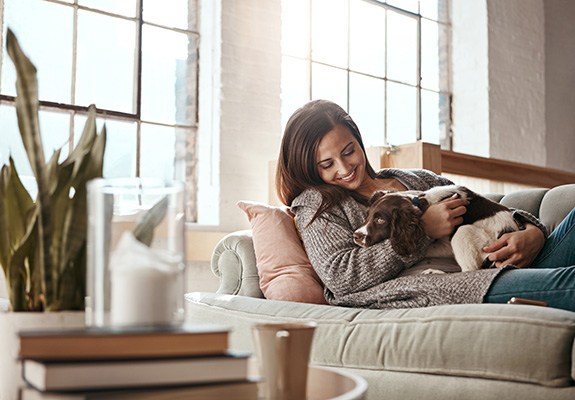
[431,157]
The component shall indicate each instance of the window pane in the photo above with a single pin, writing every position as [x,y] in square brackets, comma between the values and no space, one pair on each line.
[158,144]
[173,15]
[44,31]
[430,117]
[444,119]
[428,9]
[402,48]
[295,85]
[367,107]
[295,28]
[330,84]
[10,141]
[123,7]
[165,76]
[106,62]
[367,38]
[55,132]
[120,154]
[429,55]
[329,32]
[11,145]
[401,113]
[409,5]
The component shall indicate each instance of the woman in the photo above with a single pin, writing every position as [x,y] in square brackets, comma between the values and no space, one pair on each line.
[324,176]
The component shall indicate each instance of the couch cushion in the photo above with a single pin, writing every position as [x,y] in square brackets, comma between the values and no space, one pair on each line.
[556,204]
[495,341]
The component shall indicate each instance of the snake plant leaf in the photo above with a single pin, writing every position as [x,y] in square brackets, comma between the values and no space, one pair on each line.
[144,231]
[16,208]
[27,106]
[24,273]
[86,142]
[54,171]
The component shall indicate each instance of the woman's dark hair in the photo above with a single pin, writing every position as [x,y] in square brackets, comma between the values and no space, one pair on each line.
[297,164]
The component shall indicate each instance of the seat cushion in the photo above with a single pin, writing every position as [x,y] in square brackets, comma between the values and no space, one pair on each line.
[495,341]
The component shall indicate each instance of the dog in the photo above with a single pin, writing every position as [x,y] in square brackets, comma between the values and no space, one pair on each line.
[396,216]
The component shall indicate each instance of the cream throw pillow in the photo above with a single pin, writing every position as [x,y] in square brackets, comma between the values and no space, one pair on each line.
[284,269]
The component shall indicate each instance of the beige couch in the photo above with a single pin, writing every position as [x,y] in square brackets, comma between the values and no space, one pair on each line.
[476,351]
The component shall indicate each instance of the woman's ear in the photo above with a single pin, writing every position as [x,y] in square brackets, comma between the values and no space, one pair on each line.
[406,230]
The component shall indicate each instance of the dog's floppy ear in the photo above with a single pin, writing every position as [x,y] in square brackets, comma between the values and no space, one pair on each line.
[406,230]
[423,202]
[378,194]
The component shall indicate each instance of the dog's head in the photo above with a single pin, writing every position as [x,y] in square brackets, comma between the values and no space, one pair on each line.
[394,216]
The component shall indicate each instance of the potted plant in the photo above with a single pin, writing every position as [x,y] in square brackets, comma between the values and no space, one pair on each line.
[43,241]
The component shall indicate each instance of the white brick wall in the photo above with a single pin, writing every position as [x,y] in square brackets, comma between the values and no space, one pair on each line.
[250,104]
[513,80]
[517,80]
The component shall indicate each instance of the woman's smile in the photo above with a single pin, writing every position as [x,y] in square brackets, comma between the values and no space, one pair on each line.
[350,177]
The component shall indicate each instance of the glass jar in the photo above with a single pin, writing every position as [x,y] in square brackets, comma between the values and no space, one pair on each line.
[135,253]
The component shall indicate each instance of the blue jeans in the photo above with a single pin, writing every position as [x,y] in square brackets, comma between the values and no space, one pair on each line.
[551,278]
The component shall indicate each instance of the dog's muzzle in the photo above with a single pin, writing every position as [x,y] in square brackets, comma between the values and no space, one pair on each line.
[359,237]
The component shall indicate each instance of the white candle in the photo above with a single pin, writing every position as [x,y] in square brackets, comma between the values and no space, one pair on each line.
[144,285]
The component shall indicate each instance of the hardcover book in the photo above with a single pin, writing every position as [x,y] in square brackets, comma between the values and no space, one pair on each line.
[140,373]
[242,390]
[111,343]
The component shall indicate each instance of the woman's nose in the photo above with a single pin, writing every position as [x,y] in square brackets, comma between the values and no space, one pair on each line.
[343,168]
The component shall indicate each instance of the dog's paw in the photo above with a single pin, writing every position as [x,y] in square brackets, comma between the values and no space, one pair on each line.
[432,271]
[487,264]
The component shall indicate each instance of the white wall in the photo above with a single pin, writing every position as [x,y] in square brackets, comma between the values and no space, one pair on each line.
[560,83]
[513,71]
[250,126]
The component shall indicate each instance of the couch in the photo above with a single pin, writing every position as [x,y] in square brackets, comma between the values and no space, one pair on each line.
[474,351]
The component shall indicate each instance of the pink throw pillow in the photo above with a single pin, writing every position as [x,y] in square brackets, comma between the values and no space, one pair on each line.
[283,266]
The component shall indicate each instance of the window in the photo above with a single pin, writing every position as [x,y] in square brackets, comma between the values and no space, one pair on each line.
[135,60]
[384,62]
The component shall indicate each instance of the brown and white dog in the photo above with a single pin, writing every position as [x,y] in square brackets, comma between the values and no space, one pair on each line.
[396,216]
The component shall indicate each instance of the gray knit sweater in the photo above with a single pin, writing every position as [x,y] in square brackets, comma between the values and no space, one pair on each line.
[377,277]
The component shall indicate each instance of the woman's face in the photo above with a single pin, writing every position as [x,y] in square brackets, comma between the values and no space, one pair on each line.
[340,160]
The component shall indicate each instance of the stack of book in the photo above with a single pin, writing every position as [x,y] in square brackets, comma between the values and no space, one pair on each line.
[189,362]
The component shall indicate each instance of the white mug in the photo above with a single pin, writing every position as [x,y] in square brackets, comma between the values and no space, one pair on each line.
[283,351]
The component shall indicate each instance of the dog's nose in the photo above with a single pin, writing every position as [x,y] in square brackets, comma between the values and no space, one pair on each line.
[359,238]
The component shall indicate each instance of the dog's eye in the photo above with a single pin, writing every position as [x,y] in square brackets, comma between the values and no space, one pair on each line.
[379,221]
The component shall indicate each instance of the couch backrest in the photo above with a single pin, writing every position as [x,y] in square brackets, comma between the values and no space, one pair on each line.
[549,205]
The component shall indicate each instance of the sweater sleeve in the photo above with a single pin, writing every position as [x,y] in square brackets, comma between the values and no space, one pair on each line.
[524,217]
[343,266]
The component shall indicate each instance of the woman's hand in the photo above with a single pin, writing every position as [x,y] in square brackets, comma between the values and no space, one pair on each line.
[441,218]
[518,248]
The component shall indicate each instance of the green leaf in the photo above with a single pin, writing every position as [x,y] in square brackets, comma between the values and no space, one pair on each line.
[22,268]
[16,208]
[27,105]
[144,231]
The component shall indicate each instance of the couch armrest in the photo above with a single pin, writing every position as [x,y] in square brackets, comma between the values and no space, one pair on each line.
[234,263]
